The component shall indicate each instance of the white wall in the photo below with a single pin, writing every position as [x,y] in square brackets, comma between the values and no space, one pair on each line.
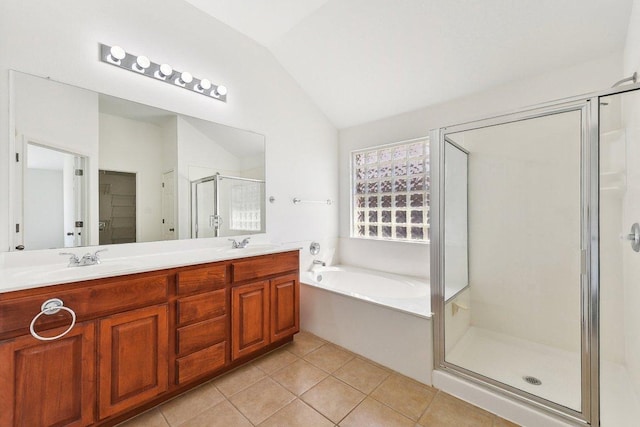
[631,205]
[524,228]
[612,170]
[60,39]
[414,258]
[137,147]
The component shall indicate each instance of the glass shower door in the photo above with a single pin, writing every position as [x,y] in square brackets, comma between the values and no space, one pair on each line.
[227,206]
[204,221]
[512,282]
[620,259]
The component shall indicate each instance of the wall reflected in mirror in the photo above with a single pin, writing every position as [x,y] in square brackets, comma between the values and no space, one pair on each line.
[140,165]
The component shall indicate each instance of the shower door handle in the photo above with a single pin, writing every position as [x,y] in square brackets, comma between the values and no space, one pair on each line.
[634,237]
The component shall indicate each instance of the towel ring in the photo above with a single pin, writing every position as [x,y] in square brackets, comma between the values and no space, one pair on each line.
[49,307]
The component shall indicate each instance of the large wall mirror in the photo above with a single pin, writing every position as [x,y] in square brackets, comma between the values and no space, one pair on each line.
[92,169]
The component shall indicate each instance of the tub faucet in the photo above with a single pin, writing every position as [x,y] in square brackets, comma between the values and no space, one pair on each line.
[239,245]
[318,262]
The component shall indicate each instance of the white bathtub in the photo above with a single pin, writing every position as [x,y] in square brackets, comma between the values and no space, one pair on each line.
[384,317]
[408,294]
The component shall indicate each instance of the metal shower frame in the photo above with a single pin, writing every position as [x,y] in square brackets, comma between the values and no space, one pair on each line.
[588,105]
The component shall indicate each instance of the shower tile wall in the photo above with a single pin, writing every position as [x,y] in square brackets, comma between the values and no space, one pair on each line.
[524,248]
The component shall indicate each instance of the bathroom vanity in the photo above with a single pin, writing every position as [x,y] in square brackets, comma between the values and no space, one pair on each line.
[140,339]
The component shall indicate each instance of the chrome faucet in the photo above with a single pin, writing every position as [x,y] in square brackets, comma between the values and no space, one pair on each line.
[239,245]
[315,264]
[87,259]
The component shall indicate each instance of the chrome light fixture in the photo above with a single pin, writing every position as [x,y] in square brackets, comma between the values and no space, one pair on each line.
[140,64]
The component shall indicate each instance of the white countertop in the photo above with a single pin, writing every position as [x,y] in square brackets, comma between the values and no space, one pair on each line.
[18,277]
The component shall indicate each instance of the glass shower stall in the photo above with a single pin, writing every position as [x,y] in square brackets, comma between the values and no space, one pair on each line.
[535,267]
[227,206]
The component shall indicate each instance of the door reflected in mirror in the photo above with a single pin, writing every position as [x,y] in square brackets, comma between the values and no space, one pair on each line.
[54,197]
[117,212]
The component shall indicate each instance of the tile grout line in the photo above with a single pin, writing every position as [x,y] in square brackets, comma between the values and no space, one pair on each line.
[184,394]
[388,374]
[237,409]
[394,409]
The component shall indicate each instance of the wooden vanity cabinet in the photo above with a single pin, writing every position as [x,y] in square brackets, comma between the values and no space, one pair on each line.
[264,311]
[111,361]
[285,306]
[133,362]
[140,339]
[202,322]
[251,319]
[47,383]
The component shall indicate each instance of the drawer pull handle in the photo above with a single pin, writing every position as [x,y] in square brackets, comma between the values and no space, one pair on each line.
[49,307]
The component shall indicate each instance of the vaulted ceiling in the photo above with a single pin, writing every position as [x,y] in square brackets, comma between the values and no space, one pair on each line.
[362,60]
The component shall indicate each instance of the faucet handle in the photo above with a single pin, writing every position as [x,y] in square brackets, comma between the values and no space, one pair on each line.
[73,258]
[96,257]
[68,253]
[234,243]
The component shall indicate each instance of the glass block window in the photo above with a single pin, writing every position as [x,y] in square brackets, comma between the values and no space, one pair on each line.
[245,207]
[390,191]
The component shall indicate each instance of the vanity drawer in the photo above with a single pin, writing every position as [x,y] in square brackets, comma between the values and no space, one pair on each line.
[200,335]
[88,300]
[201,307]
[202,279]
[266,265]
[201,363]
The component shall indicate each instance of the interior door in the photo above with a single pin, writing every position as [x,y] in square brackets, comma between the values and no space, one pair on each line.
[168,206]
[50,201]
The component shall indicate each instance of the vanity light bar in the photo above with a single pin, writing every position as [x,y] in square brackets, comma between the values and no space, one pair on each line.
[115,55]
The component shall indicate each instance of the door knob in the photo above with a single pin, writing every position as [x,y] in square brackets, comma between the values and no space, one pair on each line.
[634,237]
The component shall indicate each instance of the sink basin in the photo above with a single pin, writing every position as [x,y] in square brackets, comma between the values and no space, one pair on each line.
[256,248]
[62,272]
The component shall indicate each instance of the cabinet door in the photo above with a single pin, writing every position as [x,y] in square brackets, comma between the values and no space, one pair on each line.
[250,318]
[46,383]
[133,365]
[285,306]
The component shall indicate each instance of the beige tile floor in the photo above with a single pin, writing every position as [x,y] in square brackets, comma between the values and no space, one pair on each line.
[313,383]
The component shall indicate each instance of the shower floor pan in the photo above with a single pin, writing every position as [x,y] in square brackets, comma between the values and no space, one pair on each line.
[511,360]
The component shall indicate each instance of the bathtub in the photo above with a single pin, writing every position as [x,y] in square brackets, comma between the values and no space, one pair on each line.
[383,317]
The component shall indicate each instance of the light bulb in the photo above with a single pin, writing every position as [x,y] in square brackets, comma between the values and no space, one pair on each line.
[165,71]
[117,54]
[142,63]
[204,85]
[219,91]
[185,78]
